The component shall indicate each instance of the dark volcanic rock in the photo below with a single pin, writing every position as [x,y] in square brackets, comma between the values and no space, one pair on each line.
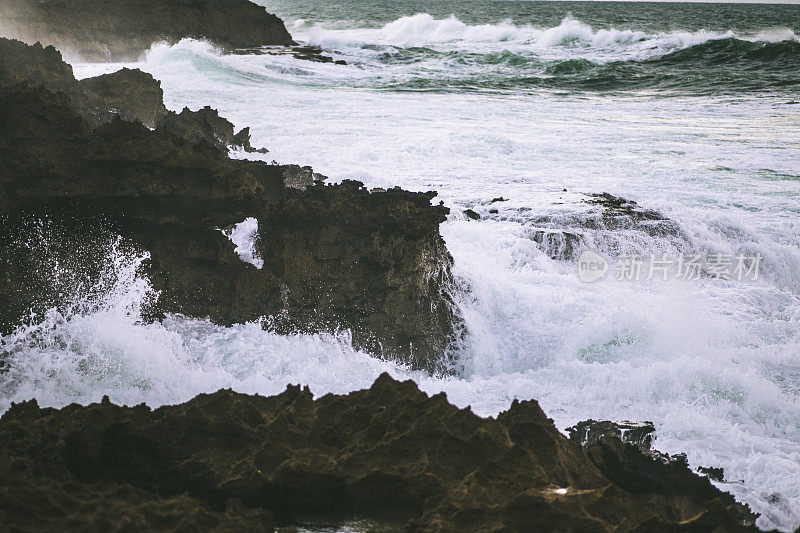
[715,473]
[304,52]
[130,94]
[559,244]
[370,261]
[113,30]
[206,125]
[472,215]
[388,448]
[620,213]
[335,257]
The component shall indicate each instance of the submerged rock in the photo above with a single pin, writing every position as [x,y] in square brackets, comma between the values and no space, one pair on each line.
[471,214]
[601,222]
[235,460]
[335,257]
[315,54]
[111,30]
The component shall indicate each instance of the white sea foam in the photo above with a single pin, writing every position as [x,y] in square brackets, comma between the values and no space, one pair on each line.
[243,235]
[424,30]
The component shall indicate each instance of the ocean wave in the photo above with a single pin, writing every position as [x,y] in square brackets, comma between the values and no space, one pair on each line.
[423,29]
[421,53]
[728,50]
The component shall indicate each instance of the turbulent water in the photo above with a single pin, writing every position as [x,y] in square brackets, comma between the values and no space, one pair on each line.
[690,110]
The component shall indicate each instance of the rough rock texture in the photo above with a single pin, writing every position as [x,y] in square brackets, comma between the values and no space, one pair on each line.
[371,260]
[591,432]
[205,124]
[114,30]
[130,94]
[389,449]
[335,256]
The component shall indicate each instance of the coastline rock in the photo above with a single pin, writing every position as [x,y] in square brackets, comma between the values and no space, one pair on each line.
[206,125]
[110,30]
[132,95]
[388,449]
[335,257]
[129,94]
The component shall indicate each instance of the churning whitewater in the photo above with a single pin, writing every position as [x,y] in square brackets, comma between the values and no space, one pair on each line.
[697,123]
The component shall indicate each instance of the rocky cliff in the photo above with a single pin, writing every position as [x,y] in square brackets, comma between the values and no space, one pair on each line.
[334,257]
[132,95]
[106,30]
[390,454]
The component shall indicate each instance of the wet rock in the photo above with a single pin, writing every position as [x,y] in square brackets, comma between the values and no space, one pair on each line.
[370,261]
[601,222]
[336,257]
[472,215]
[314,53]
[590,432]
[298,177]
[717,474]
[304,52]
[498,199]
[235,459]
[557,244]
[109,30]
[619,213]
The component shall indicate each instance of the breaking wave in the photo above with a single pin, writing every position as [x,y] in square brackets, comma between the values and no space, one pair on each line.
[421,53]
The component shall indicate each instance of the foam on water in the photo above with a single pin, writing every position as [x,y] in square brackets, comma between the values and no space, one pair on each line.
[243,236]
[423,29]
[675,354]
[712,363]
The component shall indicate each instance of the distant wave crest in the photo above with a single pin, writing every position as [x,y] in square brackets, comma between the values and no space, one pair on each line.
[423,29]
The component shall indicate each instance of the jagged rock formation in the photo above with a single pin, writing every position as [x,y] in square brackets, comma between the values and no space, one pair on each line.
[335,257]
[390,449]
[206,125]
[112,30]
[130,94]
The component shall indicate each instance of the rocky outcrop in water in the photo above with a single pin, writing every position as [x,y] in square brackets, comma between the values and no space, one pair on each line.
[390,454]
[112,30]
[595,221]
[334,257]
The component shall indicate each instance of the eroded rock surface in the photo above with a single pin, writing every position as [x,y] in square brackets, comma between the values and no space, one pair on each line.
[112,30]
[388,448]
